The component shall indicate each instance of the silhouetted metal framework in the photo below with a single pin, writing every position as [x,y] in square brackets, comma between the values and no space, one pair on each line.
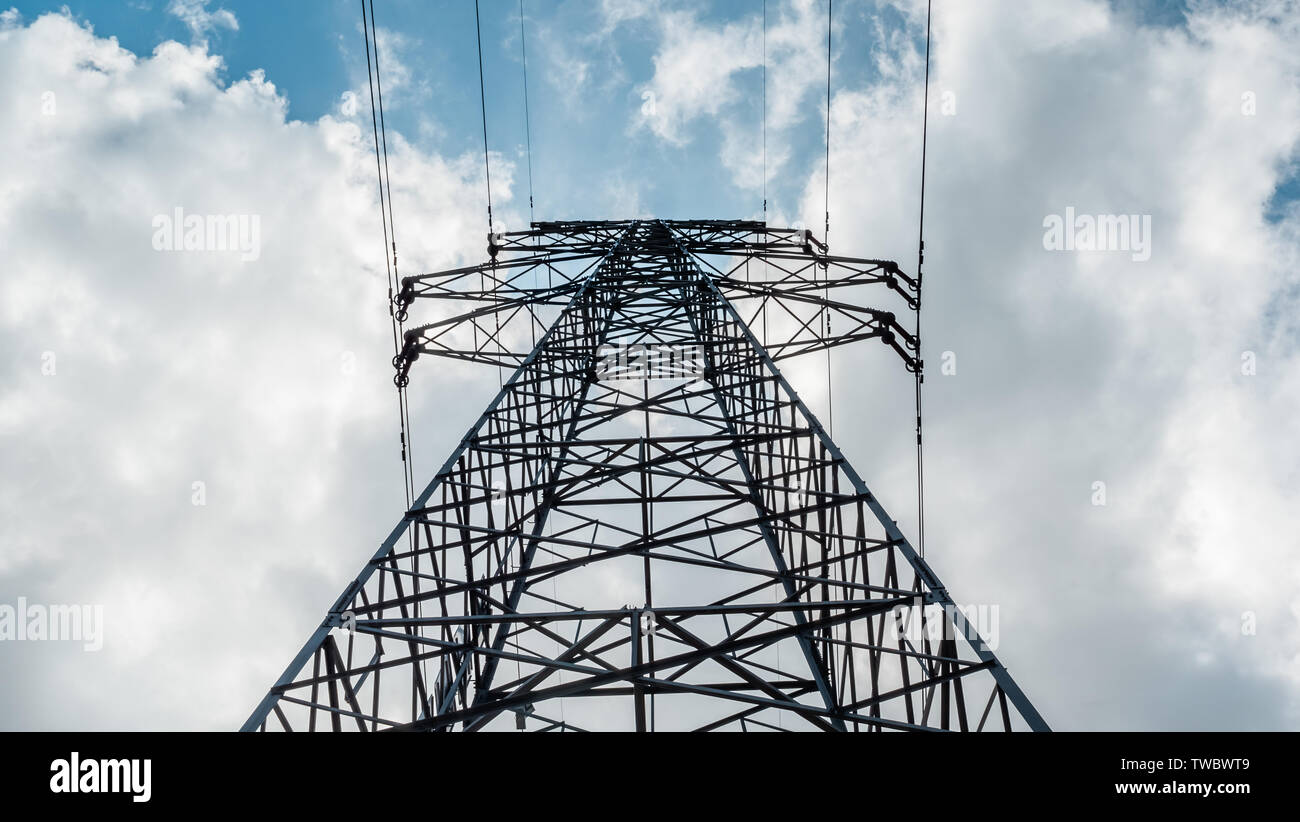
[603,551]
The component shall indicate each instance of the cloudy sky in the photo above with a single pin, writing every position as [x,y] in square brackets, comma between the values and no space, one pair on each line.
[136,382]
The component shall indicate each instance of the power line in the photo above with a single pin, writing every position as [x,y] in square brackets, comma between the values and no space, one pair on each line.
[830,11]
[374,124]
[920,260]
[826,292]
[385,186]
[404,408]
[380,132]
[487,167]
[383,131]
[764,272]
[528,126]
[482,96]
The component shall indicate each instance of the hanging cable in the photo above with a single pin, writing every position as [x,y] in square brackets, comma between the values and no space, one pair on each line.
[830,12]
[764,166]
[379,172]
[487,168]
[394,277]
[404,407]
[920,261]
[826,291]
[380,133]
[528,126]
[383,131]
[482,97]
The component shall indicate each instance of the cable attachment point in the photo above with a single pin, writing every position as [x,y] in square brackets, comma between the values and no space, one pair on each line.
[813,246]
[403,300]
[402,362]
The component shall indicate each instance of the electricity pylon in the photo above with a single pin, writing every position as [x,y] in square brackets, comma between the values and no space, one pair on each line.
[648,529]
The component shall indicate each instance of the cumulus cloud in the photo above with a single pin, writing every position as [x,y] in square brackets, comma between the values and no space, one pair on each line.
[1090,367]
[693,71]
[198,443]
[400,83]
[698,68]
[1177,603]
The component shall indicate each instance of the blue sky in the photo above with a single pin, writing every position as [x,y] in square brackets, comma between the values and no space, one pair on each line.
[313,52]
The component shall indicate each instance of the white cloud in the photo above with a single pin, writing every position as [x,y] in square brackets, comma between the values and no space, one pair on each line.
[395,71]
[1079,368]
[615,13]
[195,15]
[176,368]
[693,71]
[697,67]
[1073,368]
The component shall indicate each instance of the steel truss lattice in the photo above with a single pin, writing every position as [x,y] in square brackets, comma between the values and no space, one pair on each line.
[604,551]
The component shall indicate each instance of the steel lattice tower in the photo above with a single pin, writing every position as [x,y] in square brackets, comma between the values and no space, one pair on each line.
[648,529]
